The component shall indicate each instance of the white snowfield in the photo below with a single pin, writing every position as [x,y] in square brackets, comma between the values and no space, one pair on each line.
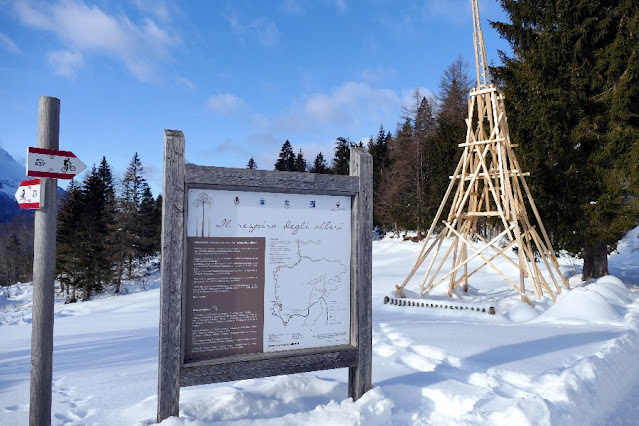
[573,362]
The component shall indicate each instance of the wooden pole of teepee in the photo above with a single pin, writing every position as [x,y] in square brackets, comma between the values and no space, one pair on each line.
[488,183]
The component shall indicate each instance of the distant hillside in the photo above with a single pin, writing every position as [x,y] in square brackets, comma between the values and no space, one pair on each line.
[11,174]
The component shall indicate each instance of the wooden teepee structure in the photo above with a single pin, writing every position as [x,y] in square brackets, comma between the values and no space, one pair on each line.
[488,183]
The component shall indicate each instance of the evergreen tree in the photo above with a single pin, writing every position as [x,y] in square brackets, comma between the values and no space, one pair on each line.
[68,251]
[319,165]
[300,162]
[251,164]
[342,156]
[423,139]
[286,160]
[16,251]
[158,223]
[379,150]
[149,229]
[92,235]
[573,102]
[129,219]
[109,214]
[85,223]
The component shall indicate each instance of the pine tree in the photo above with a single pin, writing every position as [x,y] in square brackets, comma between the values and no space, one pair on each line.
[68,251]
[251,164]
[157,220]
[423,139]
[286,160]
[342,156]
[129,219]
[573,101]
[16,251]
[319,165]
[109,215]
[149,235]
[379,150]
[92,235]
[300,162]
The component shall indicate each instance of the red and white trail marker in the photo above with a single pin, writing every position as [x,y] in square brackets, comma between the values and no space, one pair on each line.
[52,163]
[30,194]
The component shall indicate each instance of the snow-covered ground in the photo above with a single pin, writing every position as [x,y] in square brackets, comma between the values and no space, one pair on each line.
[569,363]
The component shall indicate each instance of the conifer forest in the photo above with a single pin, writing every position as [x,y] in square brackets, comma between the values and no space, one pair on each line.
[571,83]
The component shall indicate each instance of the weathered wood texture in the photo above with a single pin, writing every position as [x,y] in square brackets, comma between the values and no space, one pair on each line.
[270,181]
[171,278]
[359,376]
[267,364]
[44,274]
[178,177]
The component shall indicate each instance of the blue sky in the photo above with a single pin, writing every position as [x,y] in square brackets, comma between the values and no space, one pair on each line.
[237,77]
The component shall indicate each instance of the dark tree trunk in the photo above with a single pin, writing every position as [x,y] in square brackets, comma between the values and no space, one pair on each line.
[595,261]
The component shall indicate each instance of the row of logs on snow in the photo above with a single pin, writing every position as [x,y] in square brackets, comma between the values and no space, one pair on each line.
[404,302]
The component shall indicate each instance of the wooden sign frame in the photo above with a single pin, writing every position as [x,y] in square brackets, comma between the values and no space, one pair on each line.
[173,371]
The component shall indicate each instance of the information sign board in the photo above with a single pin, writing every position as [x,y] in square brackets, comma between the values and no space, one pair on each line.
[263,273]
[266,272]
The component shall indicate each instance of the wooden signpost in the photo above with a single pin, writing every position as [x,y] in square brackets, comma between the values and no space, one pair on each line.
[46,162]
[263,273]
[44,274]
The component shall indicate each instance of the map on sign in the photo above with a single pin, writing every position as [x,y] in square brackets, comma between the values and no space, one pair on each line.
[306,290]
[291,251]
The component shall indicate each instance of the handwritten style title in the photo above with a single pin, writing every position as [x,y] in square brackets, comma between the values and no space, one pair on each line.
[293,227]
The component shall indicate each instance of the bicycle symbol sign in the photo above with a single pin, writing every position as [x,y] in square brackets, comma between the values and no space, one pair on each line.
[50,163]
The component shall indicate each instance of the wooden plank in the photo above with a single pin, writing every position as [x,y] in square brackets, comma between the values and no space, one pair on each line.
[360,376]
[171,276]
[44,274]
[265,365]
[270,181]
[482,142]
[478,92]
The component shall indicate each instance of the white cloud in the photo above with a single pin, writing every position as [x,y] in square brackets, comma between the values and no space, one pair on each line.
[185,83]
[8,44]
[350,102]
[341,5]
[225,103]
[65,63]
[89,30]
[378,75]
[293,7]
[159,9]
[263,29]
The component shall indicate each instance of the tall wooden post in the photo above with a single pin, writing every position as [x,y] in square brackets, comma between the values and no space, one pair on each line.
[173,237]
[44,274]
[359,377]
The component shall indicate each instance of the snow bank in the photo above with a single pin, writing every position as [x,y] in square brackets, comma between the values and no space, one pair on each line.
[572,362]
[602,302]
